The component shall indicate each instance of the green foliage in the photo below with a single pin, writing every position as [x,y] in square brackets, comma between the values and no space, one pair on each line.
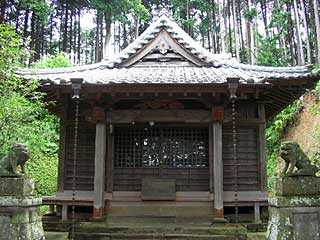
[117,9]
[317,89]
[315,107]
[25,121]
[250,14]
[23,117]
[60,60]
[269,53]
[39,7]
[275,131]
[10,54]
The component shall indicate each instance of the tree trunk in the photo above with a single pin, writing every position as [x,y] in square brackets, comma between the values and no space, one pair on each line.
[281,41]
[3,7]
[124,36]
[107,40]
[301,60]
[75,31]
[17,18]
[65,31]
[306,31]
[71,31]
[223,23]
[317,24]
[37,46]
[212,23]
[240,25]
[25,28]
[236,32]
[264,15]
[229,27]
[79,36]
[136,29]
[250,37]
[99,19]
[291,37]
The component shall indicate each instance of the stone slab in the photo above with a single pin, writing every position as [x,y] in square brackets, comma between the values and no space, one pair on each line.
[158,189]
[295,201]
[19,202]
[297,186]
[18,187]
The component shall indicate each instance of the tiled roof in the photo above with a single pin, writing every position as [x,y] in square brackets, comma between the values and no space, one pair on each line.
[216,70]
[165,75]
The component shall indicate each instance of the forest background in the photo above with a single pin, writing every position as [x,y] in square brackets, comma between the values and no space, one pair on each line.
[50,33]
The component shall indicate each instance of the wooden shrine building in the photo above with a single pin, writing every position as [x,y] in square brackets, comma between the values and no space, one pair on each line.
[155,125]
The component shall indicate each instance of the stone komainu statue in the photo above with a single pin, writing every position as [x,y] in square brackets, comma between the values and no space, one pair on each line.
[293,156]
[17,156]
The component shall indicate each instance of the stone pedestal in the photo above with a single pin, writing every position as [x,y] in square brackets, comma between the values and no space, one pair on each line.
[294,211]
[20,216]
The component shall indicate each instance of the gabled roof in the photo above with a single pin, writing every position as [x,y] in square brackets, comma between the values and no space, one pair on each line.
[165,54]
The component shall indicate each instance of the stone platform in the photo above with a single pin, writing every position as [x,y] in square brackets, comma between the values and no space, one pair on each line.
[20,216]
[294,211]
[297,186]
[159,231]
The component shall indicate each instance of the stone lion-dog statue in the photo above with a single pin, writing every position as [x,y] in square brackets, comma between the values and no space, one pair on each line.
[17,156]
[294,157]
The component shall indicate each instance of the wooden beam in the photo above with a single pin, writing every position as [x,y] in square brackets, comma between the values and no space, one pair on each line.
[184,116]
[246,196]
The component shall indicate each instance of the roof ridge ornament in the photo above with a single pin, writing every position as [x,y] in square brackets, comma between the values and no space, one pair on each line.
[163,47]
[165,11]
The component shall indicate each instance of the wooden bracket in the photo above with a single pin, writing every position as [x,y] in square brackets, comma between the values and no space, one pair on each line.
[217,113]
[96,115]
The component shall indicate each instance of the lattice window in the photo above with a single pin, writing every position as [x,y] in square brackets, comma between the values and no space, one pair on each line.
[177,147]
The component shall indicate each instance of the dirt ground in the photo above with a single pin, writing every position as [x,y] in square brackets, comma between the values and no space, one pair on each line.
[303,131]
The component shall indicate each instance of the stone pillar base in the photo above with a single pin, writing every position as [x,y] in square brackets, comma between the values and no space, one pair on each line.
[98,214]
[296,216]
[20,216]
[218,216]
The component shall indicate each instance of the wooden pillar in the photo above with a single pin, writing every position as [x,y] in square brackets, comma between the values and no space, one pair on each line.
[62,143]
[262,148]
[99,164]
[109,163]
[257,218]
[217,171]
[217,120]
[64,212]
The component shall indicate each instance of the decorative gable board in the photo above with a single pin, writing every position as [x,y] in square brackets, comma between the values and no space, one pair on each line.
[163,48]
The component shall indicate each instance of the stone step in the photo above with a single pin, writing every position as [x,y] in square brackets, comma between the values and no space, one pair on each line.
[170,209]
[154,236]
[159,219]
[256,227]
[215,229]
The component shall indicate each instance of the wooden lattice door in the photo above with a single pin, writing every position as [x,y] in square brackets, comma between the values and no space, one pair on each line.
[161,151]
